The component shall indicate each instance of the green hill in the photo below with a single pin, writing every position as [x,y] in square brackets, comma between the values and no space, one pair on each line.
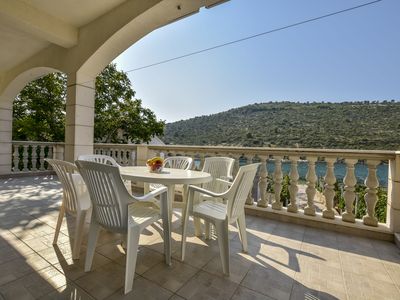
[351,125]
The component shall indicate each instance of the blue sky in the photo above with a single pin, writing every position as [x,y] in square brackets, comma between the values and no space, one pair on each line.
[351,56]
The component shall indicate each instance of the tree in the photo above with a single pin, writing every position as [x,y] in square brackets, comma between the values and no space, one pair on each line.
[39,110]
[119,117]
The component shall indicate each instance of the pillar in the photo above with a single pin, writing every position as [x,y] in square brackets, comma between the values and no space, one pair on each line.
[6,115]
[79,125]
[393,201]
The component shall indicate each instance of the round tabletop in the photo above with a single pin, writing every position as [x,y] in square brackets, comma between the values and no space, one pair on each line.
[166,177]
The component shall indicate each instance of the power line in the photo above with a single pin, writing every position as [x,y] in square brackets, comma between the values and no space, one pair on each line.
[254,36]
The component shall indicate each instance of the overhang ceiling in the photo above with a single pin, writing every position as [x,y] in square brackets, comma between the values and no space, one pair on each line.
[28,26]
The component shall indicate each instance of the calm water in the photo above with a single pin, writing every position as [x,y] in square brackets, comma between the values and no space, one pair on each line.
[361,170]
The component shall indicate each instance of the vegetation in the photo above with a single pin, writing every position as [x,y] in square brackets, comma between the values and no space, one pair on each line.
[39,110]
[352,125]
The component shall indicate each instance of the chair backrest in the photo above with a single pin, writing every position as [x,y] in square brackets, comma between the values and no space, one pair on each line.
[65,172]
[218,167]
[99,158]
[240,189]
[108,194]
[178,162]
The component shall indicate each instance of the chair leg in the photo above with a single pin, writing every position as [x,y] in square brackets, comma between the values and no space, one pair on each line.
[241,222]
[223,241]
[80,220]
[131,256]
[59,222]
[91,246]
[197,227]
[207,230]
[185,219]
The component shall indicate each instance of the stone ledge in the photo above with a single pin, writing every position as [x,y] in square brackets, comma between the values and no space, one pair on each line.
[382,232]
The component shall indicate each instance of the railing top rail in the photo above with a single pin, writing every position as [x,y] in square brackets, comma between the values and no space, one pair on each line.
[266,151]
[107,145]
[37,143]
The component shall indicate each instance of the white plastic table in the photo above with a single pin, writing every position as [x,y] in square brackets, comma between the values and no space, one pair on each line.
[168,177]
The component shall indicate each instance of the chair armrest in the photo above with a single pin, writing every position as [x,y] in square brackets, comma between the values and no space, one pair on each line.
[223,181]
[151,195]
[206,192]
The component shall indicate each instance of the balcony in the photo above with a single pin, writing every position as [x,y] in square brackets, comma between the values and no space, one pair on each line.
[292,254]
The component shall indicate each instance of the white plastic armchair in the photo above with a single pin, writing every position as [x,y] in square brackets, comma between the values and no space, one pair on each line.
[99,158]
[76,200]
[220,169]
[221,214]
[107,160]
[178,162]
[116,210]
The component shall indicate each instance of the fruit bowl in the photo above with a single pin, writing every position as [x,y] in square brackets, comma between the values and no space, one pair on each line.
[155,164]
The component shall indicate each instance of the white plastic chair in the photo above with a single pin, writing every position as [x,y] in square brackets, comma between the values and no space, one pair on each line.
[76,200]
[107,160]
[221,169]
[99,158]
[176,162]
[116,210]
[221,214]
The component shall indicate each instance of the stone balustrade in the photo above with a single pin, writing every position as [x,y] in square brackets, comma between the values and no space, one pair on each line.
[28,157]
[320,192]
[310,194]
[124,154]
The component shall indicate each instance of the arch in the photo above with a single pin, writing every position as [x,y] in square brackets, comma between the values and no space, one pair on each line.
[149,16]
[19,82]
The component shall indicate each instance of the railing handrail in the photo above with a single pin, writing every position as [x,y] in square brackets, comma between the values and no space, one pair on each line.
[109,145]
[37,143]
[266,151]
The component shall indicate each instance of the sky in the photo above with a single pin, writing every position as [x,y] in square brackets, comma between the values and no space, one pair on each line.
[347,57]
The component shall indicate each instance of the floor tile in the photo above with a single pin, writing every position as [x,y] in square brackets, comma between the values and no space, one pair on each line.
[171,277]
[207,286]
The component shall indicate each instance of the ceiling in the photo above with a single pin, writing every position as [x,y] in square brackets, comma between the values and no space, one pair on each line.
[28,26]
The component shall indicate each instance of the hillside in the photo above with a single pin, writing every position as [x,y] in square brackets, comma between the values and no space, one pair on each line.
[351,125]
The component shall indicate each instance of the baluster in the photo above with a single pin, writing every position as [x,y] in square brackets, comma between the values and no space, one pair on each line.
[329,191]
[25,158]
[310,190]
[250,199]
[34,158]
[263,183]
[278,177]
[371,197]
[41,158]
[131,158]
[236,165]
[349,194]
[293,188]
[15,158]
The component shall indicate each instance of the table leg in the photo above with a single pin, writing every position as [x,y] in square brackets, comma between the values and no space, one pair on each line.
[166,213]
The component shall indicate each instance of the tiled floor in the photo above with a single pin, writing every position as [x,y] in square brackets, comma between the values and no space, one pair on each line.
[284,261]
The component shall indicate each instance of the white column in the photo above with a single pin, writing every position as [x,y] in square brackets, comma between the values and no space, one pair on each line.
[80,116]
[293,188]
[310,190]
[329,191]
[5,135]
[393,200]
[349,191]
[278,177]
[370,197]
[262,183]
